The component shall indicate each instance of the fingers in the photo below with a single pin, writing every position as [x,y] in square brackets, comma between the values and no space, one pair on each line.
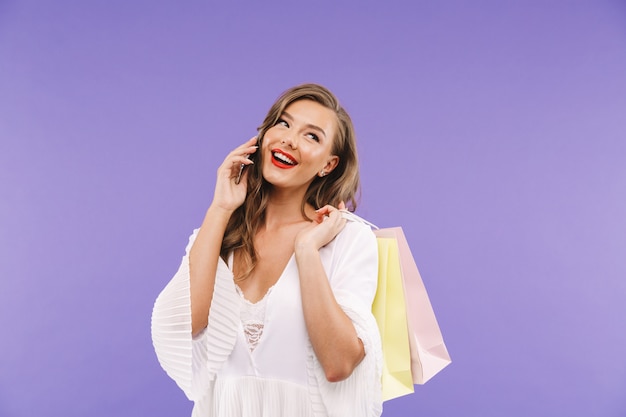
[231,184]
[241,159]
[250,142]
[327,209]
[242,153]
[328,223]
[239,156]
[322,213]
[330,212]
[243,150]
[250,146]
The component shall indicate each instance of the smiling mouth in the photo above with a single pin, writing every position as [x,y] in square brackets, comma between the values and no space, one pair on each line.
[281,160]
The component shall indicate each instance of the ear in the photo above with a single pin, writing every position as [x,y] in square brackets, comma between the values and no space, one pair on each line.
[331,164]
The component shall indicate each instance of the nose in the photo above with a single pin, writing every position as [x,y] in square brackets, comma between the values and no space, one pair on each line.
[290,139]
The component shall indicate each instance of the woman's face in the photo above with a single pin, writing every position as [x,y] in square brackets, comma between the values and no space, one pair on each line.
[298,147]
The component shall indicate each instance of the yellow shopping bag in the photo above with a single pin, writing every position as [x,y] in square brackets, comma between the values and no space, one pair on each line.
[389,308]
[429,354]
[413,346]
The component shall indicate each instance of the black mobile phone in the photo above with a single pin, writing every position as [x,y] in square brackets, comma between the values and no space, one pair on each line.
[241,168]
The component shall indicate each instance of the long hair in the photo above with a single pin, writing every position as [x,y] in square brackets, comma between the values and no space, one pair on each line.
[341,184]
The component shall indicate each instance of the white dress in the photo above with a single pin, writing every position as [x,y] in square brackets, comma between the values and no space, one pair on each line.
[281,376]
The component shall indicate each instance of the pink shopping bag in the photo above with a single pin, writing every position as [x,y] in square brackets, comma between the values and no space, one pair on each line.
[428,350]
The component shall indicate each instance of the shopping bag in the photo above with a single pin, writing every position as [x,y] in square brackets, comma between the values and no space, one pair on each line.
[428,350]
[389,309]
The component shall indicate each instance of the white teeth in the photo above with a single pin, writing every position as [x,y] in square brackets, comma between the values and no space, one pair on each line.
[283,158]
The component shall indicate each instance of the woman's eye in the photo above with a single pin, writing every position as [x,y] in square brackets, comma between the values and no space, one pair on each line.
[282,122]
[313,136]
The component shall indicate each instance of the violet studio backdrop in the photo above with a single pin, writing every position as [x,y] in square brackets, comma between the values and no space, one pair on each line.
[493,132]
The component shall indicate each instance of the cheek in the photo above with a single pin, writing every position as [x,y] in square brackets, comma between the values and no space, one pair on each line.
[272,131]
[267,139]
[270,137]
[325,151]
[317,159]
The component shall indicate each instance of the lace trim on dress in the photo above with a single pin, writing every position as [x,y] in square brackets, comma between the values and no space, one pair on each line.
[253,318]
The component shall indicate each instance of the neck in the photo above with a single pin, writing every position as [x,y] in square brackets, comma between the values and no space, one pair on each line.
[285,208]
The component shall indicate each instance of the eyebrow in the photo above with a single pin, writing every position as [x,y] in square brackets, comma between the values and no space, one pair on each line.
[309,125]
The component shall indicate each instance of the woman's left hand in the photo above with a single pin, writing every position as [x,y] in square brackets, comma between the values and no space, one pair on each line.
[326,225]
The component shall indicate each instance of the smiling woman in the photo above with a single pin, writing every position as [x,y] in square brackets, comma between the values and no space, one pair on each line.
[298,146]
[269,313]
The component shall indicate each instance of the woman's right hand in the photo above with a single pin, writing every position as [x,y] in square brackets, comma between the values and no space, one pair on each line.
[228,194]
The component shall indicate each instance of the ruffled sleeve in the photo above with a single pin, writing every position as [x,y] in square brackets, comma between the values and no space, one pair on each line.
[193,362]
[353,277]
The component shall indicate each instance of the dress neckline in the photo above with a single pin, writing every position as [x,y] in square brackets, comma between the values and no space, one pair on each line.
[252,314]
[257,303]
[269,290]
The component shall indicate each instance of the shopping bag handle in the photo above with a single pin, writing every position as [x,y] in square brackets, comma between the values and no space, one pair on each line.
[348,215]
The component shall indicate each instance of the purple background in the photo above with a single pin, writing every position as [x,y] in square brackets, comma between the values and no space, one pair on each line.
[493,132]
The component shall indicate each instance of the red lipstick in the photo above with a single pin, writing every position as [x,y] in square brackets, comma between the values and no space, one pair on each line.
[282,159]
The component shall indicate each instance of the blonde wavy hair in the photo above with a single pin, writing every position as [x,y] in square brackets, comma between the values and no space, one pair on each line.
[341,184]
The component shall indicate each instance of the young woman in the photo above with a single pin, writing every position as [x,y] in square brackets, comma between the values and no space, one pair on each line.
[269,313]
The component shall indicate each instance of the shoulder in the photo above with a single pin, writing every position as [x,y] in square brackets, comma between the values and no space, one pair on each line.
[357,225]
[357,232]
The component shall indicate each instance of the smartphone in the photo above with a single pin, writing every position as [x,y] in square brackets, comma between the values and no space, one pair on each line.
[241,168]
